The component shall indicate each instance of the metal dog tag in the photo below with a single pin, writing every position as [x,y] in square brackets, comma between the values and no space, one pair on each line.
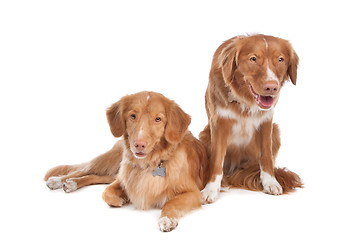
[159,171]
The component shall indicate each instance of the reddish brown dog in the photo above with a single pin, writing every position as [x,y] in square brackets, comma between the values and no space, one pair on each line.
[246,76]
[161,163]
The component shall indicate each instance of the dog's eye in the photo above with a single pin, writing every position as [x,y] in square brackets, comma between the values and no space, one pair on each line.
[281,59]
[157,119]
[133,116]
[252,59]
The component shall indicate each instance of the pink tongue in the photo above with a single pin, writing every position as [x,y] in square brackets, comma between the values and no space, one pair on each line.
[266,101]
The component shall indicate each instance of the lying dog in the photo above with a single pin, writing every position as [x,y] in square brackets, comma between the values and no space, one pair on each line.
[246,76]
[161,163]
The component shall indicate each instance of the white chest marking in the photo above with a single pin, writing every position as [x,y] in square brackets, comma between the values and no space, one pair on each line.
[243,129]
[242,132]
[226,113]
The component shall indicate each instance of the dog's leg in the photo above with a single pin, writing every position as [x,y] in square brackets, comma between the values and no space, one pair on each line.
[267,175]
[72,184]
[97,171]
[220,131]
[114,195]
[276,142]
[177,207]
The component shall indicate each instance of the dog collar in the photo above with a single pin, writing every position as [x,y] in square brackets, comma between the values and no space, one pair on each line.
[232,98]
[160,170]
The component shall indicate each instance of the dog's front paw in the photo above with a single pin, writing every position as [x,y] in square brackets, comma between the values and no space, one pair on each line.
[270,184]
[69,186]
[112,199]
[167,224]
[54,183]
[211,191]
[209,194]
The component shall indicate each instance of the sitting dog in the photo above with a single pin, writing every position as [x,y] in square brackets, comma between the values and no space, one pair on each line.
[158,161]
[242,142]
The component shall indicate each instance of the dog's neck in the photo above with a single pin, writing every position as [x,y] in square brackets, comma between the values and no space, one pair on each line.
[232,98]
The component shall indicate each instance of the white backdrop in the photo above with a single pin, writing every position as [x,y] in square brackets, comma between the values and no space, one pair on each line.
[62,63]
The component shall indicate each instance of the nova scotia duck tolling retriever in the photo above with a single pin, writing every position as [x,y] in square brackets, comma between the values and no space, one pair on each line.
[157,163]
[246,76]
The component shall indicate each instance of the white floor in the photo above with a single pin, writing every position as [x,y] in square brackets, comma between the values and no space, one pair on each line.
[315,211]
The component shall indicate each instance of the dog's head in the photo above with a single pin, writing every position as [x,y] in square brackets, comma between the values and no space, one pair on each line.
[147,121]
[256,67]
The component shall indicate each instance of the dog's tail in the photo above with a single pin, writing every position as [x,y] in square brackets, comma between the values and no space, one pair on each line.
[60,170]
[249,178]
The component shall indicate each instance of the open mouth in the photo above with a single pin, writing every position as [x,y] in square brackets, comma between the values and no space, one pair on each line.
[264,102]
[140,155]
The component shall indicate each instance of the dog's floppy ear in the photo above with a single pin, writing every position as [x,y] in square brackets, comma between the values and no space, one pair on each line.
[177,123]
[116,119]
[227,59]
[293,65]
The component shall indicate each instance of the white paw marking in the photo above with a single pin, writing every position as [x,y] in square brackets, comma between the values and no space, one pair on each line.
[54,183]
[167,224]
[211,190]
[270,184]
[69,186]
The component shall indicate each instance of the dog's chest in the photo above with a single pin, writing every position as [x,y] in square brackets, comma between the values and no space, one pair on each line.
[244,127]
[242,132]
[143,188]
